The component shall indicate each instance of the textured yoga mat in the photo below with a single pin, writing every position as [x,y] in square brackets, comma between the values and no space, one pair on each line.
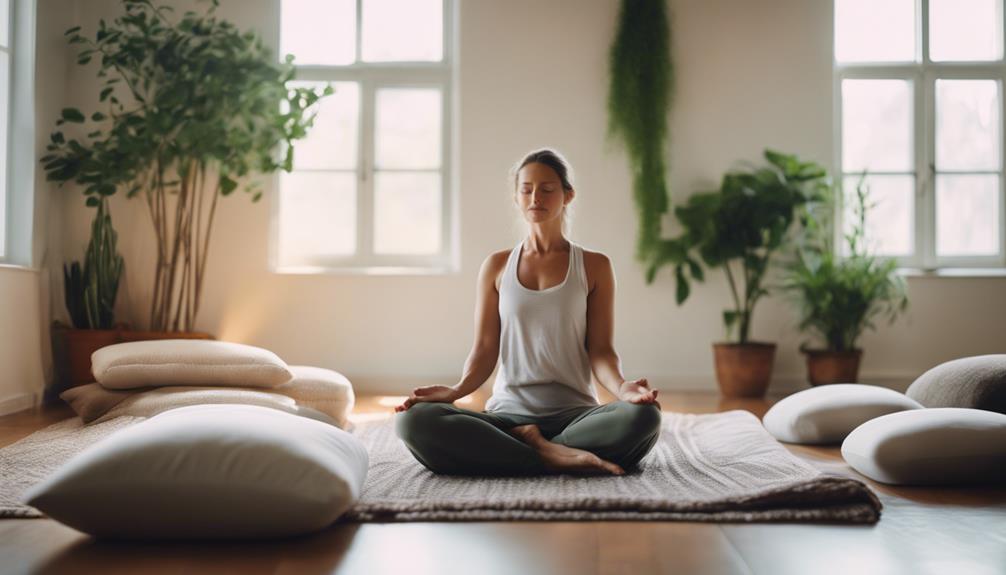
[719,467]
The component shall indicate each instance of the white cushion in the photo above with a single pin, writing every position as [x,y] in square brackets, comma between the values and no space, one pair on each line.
[930,447]
[208,471]
[826,414]
[319,389]
[187,362]
[326,390]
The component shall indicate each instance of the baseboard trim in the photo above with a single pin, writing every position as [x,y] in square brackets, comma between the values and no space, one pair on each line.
[16,403]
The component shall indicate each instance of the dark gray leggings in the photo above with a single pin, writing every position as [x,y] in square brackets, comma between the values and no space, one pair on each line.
[450,440]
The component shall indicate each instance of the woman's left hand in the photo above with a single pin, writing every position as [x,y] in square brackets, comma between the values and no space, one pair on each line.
[637,391]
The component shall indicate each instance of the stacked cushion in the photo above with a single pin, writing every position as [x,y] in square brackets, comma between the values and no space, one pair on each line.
[825,415]
[974,382]
[209,471]
[930,447]
[323,390]
[187,362]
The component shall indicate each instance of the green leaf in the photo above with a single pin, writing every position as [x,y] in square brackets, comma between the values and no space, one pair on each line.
[97,116]
[682,289]
[72,115]
[227,185]
[92,202]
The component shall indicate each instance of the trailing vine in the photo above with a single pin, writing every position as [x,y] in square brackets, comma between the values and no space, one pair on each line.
[639,98]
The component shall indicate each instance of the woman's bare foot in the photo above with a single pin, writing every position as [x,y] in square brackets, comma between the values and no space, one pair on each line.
[562,459]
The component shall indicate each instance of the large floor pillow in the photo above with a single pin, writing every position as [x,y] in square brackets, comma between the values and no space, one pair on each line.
[977,382]
[208,472]
[937,446]
[312,388]
[187,362]
[825,415]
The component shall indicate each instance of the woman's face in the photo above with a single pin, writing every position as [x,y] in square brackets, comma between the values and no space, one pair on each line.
[539,193]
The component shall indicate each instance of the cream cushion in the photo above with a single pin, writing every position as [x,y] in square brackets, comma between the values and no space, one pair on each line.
[826,414]
[320,389]
[930,447]
[208,472]
[187,362]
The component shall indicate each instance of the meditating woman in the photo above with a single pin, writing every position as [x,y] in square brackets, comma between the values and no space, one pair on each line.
[546,309]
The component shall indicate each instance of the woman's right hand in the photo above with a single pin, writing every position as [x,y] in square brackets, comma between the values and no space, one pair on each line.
[429,394]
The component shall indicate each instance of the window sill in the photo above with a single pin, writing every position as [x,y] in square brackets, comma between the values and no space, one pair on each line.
[18,267]
[365,271]
[965,273]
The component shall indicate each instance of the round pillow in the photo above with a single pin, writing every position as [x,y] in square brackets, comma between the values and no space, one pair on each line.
[208,472]
[977,382]
[826,414]
[938,446]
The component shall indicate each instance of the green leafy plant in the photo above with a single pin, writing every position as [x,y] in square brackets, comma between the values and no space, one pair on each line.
[639,97]
[739,228]
[189,109]
[90,291]
[841,296]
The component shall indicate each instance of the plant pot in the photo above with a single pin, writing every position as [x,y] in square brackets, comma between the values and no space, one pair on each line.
[743,369]
[824,366]
[72,349]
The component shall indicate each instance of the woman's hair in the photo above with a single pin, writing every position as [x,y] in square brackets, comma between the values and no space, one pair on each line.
[560,165]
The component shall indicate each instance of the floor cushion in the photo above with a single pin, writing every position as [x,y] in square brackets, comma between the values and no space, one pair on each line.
[826,414]
[977,382]
[936,446]
[187,362]
[323,390]
[208,472]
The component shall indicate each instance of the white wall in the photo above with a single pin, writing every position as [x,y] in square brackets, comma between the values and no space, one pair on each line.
[25,292]
[750,75]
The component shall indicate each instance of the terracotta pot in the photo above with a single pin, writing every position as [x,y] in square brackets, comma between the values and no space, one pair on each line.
[72,349]
[744,369]
[824,367]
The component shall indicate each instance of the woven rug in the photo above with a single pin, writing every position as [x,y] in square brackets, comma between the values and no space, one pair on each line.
[719,467]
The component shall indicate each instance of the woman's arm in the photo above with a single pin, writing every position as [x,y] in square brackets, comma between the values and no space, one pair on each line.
[604,361]
[485,349]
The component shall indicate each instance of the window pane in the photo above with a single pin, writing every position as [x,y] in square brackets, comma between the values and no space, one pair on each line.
[965,30]
[877,125]
[889,216]
[967,215]
[4,107]
[317,215]
[875,30]
[403,30]
[407,128]
[967,125]
[331,143]
[4,22]
[318,31]
[407,213]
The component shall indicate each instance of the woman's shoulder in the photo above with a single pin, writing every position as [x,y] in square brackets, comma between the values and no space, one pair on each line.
[594,259]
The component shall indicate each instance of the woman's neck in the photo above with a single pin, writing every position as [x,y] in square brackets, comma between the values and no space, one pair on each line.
[544,241]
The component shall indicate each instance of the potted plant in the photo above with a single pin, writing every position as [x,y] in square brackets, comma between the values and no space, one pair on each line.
[840,295]
[189,108]
[89,293]
[739,228]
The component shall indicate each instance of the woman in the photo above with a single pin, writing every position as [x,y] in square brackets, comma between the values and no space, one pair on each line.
[546,309]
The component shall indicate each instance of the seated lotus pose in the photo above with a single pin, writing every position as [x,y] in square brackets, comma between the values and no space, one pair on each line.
[546,310]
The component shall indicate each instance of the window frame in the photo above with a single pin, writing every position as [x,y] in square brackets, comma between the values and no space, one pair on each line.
[371,77]
[923,73]
[6,201]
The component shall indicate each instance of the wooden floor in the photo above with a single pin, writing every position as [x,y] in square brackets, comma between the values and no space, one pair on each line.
[921,531]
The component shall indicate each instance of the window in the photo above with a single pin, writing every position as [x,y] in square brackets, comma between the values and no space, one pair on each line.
[919,109]
[5,93]
[371,186]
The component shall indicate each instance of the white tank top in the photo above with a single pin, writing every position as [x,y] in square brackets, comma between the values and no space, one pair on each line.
[544,367]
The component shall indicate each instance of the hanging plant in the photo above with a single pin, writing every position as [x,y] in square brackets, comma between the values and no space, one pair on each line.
[639,98]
